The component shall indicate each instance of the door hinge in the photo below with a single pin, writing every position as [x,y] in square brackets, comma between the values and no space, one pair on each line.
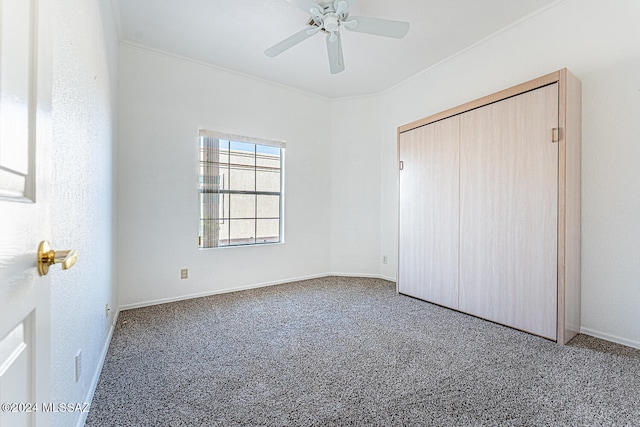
[555,134]
[401,165]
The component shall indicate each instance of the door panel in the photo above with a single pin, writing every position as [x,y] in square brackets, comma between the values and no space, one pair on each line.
[16,86]
[25,138]
[428,252]
[509,210]
[16,361]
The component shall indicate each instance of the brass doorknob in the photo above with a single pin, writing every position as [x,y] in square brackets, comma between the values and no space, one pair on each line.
[47,257]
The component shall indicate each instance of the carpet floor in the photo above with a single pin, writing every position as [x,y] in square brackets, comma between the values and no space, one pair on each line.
[349,351]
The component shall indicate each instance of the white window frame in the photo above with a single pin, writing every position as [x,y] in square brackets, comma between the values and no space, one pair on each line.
[209,241]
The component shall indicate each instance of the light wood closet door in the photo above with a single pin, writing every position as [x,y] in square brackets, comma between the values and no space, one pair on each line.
[429,206]
[509,210]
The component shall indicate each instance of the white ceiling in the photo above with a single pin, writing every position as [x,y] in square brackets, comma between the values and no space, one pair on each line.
[233,34]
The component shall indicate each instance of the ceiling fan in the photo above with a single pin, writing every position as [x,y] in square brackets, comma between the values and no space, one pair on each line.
[328,16]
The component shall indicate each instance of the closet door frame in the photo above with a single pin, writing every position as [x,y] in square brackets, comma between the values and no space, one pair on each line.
[569,169]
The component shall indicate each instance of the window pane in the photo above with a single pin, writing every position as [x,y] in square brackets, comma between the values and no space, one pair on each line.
[268,149]
[268,180]
[214,206]
[210,178]
[210,149]
[242,231]
[242,154]
[210,206]
[268,206]
[224,152]
[242,206]
[207,236]
[268,231]
[267,157]
[223,170]
[223,232]
[212,223]
[224,207]
[242,178]
[224,178]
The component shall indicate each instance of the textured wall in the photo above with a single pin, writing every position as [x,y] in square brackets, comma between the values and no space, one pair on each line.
[163,102]
[600,43]
[355,187]
[611,203]
[84,99]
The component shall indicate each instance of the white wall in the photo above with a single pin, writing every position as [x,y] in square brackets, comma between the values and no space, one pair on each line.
[84,100]
[164,100]
[600,43]
[355,187]
[611,203]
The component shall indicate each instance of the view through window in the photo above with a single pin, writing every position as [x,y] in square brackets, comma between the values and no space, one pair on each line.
[240,188]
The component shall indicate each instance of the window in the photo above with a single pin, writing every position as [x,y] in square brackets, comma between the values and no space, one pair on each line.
[240,190]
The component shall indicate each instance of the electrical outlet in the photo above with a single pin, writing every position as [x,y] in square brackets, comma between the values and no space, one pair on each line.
[78,365]
[384,259]
[106,311]
[184,273]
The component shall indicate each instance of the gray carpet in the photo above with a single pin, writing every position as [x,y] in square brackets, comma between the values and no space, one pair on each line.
[349,351]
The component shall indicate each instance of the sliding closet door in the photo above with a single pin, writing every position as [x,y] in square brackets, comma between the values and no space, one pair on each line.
[429,206]
[509,212]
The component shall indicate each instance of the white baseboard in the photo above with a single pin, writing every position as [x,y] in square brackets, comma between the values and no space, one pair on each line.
[609,337]
[388,278]
[96,375]
[367,275]
[216,292]
[245,287]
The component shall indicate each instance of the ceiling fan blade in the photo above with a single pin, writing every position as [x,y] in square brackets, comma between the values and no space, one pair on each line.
[308,6]
[334,48]
[290,42]
[378,27]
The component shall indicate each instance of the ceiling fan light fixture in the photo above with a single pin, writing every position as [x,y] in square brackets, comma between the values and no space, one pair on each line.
[341,7]
[331,22]
[350,24]
[325,3]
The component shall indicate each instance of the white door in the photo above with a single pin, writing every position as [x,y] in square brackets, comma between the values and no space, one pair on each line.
[25,134]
